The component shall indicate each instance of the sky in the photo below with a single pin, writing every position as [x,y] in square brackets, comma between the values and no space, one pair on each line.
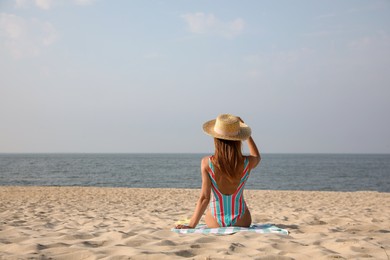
[99,76]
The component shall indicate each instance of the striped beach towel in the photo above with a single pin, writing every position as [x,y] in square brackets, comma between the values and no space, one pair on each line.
[257,228]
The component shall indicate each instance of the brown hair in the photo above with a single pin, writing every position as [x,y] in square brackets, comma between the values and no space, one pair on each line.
[227,156]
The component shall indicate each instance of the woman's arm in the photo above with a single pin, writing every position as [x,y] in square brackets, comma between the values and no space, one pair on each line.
[204,197]
[255,157]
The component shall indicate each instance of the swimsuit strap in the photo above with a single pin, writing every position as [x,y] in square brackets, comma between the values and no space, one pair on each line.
[211,169]
[245,173]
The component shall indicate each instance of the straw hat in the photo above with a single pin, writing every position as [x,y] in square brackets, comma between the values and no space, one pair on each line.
[227,127]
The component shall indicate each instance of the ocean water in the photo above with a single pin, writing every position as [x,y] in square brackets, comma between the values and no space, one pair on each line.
[323,172]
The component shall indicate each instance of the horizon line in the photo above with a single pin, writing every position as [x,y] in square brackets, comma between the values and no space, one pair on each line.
[319,153]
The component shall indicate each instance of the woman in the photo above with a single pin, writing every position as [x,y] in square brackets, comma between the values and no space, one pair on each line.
[224,175]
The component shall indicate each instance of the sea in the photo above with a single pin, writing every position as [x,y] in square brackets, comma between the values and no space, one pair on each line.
[309,172]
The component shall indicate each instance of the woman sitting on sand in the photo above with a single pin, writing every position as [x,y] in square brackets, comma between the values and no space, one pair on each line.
[225,174]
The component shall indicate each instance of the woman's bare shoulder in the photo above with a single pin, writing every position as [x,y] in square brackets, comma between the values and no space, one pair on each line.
[205,162]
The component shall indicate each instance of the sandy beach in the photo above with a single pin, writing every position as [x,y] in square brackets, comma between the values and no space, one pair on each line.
[124,223]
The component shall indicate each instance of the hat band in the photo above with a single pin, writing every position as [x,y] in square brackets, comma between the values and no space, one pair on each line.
[225,133]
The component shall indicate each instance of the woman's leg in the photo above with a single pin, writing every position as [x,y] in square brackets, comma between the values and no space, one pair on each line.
[211,222]
[245,220]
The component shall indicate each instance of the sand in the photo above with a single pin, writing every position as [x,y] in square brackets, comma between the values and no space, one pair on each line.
[122,223]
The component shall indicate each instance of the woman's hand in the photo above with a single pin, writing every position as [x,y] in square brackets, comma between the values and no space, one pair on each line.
[182,227]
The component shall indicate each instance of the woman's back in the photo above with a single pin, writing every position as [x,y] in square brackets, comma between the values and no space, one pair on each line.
[228,208]
[226,185]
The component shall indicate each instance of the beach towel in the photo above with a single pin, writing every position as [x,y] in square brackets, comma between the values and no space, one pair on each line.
[257,228]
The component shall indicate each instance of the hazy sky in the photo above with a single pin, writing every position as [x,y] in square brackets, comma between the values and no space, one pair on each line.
[143,76]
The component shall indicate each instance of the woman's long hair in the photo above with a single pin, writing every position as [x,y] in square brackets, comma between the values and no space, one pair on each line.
[227,157]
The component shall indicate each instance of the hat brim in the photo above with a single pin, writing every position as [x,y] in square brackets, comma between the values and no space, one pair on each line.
[244,133]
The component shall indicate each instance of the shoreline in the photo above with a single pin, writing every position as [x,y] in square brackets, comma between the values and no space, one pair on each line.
[77,222]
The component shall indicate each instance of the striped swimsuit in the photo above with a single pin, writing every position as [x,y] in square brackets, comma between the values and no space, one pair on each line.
[227,209]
